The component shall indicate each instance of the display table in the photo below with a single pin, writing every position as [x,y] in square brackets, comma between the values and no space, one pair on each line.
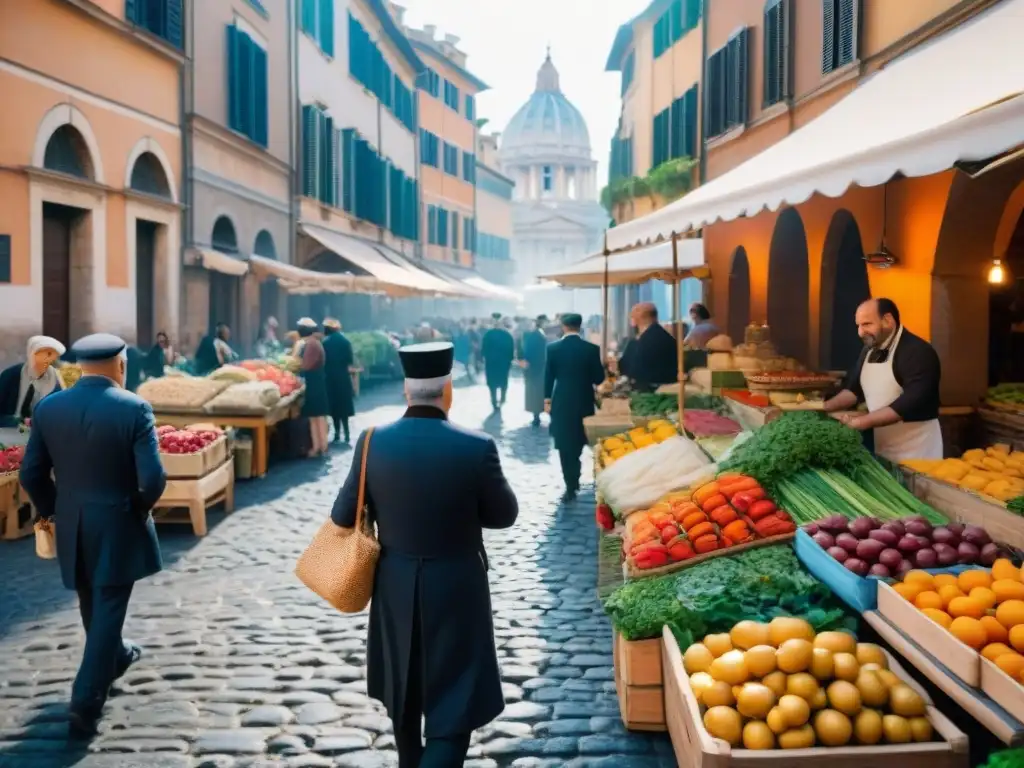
[261,426]
[197,495]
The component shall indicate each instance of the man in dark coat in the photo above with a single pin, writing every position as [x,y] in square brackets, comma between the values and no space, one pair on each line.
[573,370]
[431,488]
[338,359]
[498,350]
[99,442]
[532,356]
[650,359]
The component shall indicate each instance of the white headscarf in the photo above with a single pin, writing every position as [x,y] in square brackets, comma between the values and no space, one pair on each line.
[42,385]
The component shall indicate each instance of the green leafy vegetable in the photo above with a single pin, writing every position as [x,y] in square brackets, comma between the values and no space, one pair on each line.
[651,404]
[1016,505]
[1007,758]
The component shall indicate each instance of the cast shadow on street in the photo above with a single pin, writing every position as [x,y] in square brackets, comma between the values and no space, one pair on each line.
[529,444]
[48,725]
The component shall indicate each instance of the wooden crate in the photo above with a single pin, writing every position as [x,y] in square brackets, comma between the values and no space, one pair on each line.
[16,510]
[196,496]
[1002,689]
[630,572]
[641,704]
[198,464]
[694,747]
[962,660]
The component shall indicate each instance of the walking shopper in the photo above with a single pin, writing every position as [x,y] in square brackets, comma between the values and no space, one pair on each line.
[315,407]
[432,488]
[573,370]
[498,350]
[338,359]
[532,356]
[92,467]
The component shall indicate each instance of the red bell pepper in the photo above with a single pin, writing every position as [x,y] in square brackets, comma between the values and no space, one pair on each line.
[651,558]
[605,518]
[761,509]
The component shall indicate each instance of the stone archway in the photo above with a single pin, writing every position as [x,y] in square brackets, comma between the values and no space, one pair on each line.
[844,285]
[223,238]
[65,142]
[789,287]
[739,295]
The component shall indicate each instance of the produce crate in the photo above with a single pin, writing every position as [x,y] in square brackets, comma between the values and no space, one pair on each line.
[695,748]
[963,661]
[598,427]
[638,683]
[197,496]
[1002,689]
[631,572]
[16,510]
[1003,424]
[858,592]
[191,465]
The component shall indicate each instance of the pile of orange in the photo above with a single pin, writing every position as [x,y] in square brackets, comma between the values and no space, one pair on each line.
[981,608]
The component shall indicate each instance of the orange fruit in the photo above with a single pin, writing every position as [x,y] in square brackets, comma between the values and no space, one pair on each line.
[968,580]
[947,593]
[944,580]
[942,618]
[908,591]
[1011,613]
[984,596]
[1016,637]
[923,578]
[929,599]
[993,651]
[996,632]
[966,606]
[1004,569]
[969,631]
[1008,589]
[1011,663]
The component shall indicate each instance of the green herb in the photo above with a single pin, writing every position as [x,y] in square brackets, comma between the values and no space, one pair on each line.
[651,404]
[1016,505]
[1007,758]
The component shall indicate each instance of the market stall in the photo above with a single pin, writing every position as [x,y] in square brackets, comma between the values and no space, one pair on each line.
[16,510]
[200,474]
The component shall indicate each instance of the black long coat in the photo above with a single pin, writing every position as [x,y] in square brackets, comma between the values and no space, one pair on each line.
[338,354]
[533,352]
[498,350]
[573,370]
[651,359]
[432,488]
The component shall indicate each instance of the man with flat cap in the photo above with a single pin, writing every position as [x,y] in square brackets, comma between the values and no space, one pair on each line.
[431,488]
[573,370]
[498,350]
[532,356]
[98,441]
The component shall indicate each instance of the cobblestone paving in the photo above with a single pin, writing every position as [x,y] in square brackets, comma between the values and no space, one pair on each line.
[244,668]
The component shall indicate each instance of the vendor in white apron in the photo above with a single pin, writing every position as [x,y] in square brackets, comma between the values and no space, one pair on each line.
[897,377]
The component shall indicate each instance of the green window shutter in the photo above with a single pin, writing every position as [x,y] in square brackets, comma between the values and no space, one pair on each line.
[348,137]
[309,17]
[310,155]
[431,226]
[771,54]
[353,46]
[690,118]
[260,98]
[828,36]
[337,167]
[131,11]
[455,229]
[714,97]
[326,130]
[678,125]
[846,26]
[737,76]
[676,20]
[173,22]
[233,89]
[326,24]
[245,83]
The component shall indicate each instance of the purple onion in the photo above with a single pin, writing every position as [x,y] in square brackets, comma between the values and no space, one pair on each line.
[834,524]
[896,527]
[848,542]
[888,538]
[869,550]
[862,526]
[856,566]
[839,553]
[824,540]
[908,544]
[976,535]
[919,528]
[989,554]
[967,553]
[926,558]
[890,558]
[942,535]
[879,570]
[904,568]
[957,528]
[810,529]
[946,553]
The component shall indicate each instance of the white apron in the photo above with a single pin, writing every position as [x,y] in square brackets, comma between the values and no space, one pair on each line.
[903,440]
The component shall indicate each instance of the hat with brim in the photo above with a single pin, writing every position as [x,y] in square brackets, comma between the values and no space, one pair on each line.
[332,323]
[432,360]
[97,347]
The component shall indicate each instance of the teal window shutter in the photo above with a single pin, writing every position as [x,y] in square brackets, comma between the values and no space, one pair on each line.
[309,17]
[347,167]
[310,144]
[234,84]
[326,22]
[690,118]
[846,25]
[245,83]
[431,225]
[455,229]
[353,46]
[131,11]
[828,36]
[676,20]
[260,98]
[173,22]
[326,129]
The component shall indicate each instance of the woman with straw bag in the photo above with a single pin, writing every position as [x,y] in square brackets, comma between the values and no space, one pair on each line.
[430,488]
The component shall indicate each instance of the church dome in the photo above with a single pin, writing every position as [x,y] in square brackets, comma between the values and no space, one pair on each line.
[547,124]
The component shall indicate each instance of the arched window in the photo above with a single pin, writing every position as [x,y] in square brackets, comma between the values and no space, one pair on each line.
[265,245]
[66,152]
[224,238]
[148,176]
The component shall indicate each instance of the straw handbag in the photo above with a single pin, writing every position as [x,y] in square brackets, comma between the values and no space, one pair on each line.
[46,545]
[339,563]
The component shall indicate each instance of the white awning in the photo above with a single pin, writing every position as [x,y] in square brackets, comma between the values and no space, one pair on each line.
[956,98]
[307,281]
[653,262]
[390,277]
[438,285]
[498,291]
[215,261]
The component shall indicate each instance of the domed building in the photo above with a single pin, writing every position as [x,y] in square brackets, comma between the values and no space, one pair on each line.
[556,219]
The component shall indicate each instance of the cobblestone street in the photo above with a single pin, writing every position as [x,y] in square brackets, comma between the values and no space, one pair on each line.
[244,667]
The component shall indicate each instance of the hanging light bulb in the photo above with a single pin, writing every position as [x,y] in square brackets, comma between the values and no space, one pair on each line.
[996,273]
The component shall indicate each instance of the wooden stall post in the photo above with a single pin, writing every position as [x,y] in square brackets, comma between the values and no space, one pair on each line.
[604,321]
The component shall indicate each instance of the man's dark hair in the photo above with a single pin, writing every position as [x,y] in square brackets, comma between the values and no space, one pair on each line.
[700,311]
[888,307]
[572,322]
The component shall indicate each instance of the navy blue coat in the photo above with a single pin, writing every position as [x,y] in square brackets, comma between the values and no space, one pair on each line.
[498,350]
[100,443]
[573,369]
[431,488]
[338,357]
[533,351]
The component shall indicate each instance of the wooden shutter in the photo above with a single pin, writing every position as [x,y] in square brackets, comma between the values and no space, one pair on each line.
[327,163]
[690,122]
[828,36]
[347,165]
[310,155]
[309,17]
[846,27]
[714,94]
[259,96]
[677,122]
[234,89]
[245,83]
[455,229]
[131,11]
[736,85]
[326,36]
[173,22]
[675,14]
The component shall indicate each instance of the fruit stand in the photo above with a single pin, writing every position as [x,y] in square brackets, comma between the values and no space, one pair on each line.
[16,511]
[200,474]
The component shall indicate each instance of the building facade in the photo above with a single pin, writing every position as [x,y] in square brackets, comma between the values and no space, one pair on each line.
[545,151]
[494,193]
[239,148]
[447,107]
[90,169]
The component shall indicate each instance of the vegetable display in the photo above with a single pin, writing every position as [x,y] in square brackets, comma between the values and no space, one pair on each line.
[285,381]
[701,423]
[712,596]
[753,399]
[780,685]
[11,457]
[648,404]
[994,471]
[1011,395]
[641,477]
[615,447]
[251,396]
[1016,505]
[235,374]
[180,392]
[174,440]
[982,608]
[868,546]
